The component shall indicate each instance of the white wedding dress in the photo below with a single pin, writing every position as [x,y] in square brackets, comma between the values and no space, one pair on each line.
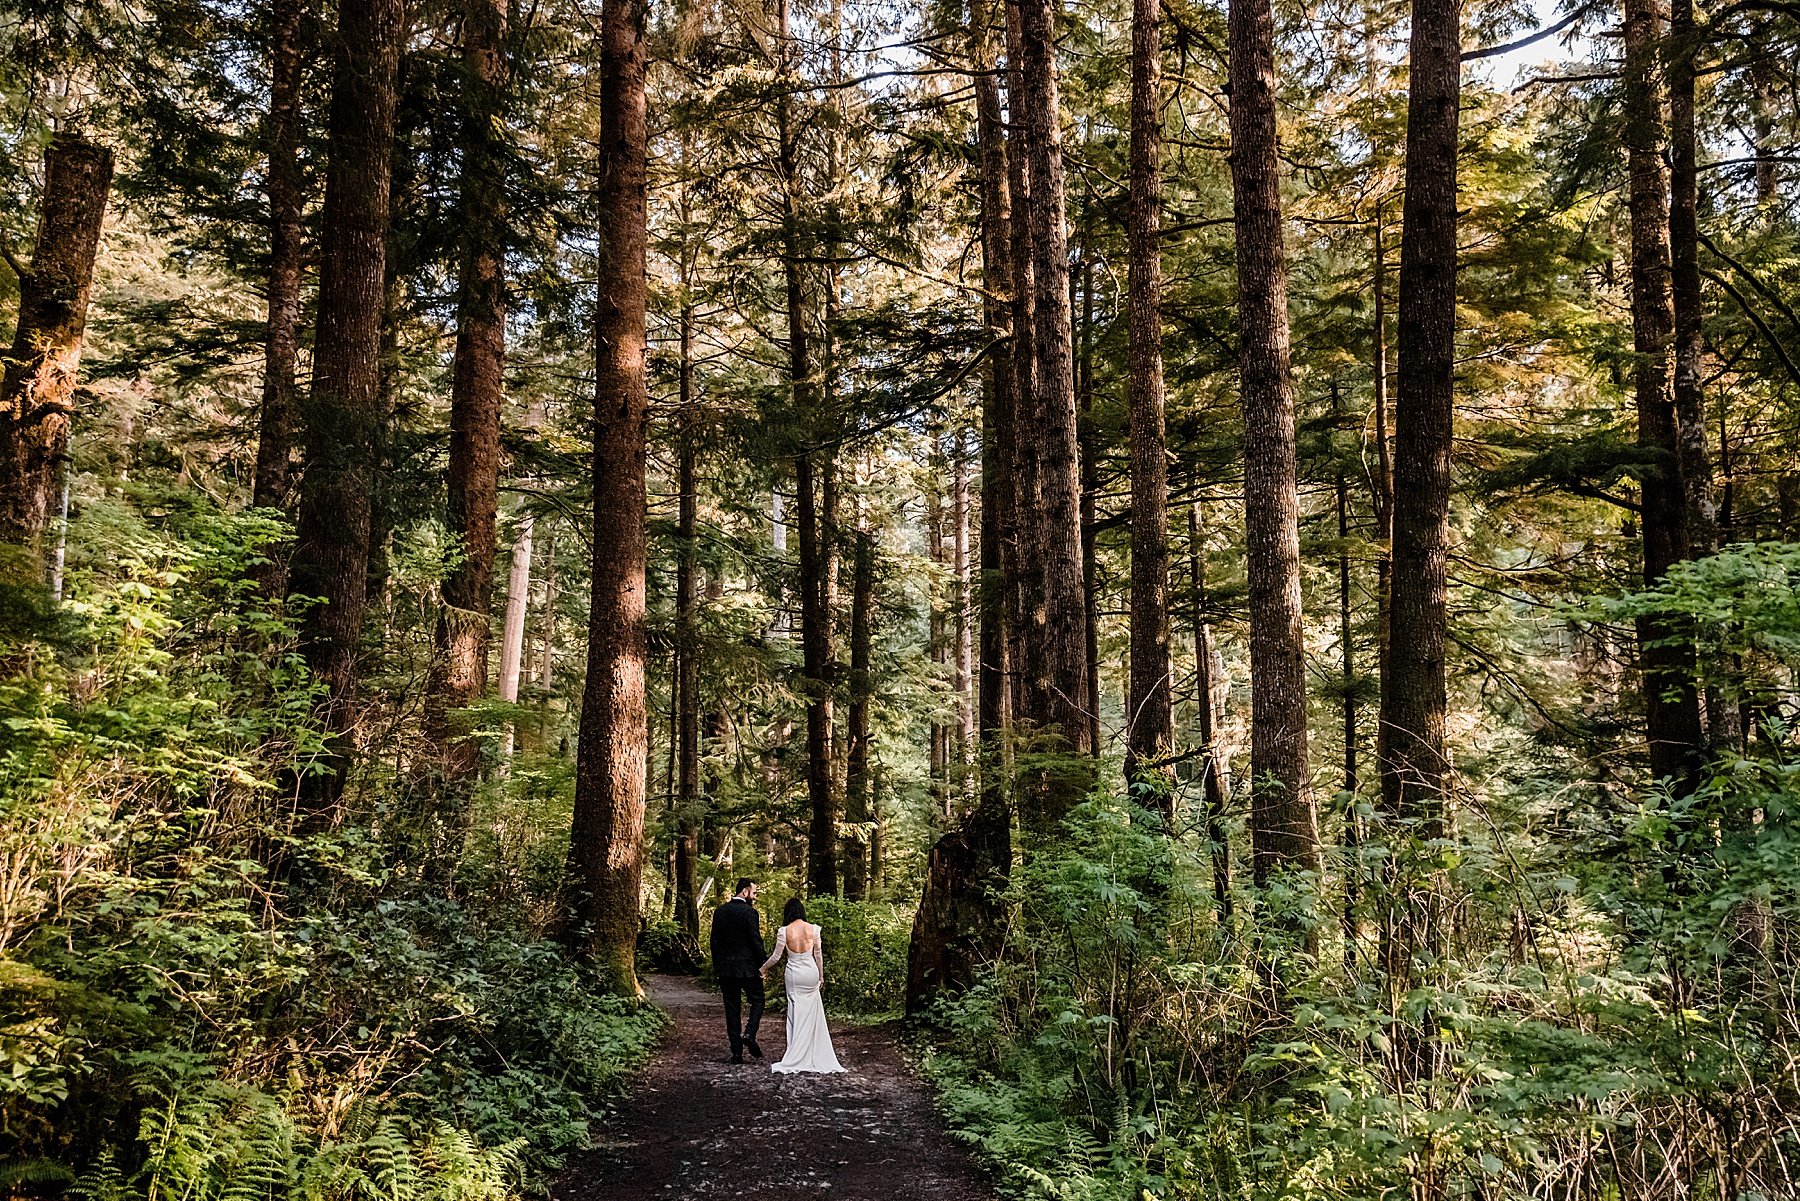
[808,1036]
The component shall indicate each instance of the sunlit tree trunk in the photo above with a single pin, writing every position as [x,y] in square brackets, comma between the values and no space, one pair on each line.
[37,391]
[1284,830]
[606,841]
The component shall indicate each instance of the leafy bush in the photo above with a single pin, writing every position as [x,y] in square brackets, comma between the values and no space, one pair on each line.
[865,953]
[181,1023]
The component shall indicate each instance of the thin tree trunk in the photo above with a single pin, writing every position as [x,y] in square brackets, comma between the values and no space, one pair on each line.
[1090,489]
[477,383]
[281,339]
[1284,831]
[1347,656]
[857,791]
[1413,700]
[512,626]
[998,400]
[936,624]
[1672,706]
[1212,778]
[964,645]
[687,648]
[343,418]
[1056,691]
[37,391]
[1149,712]
[606,841]
[546,665]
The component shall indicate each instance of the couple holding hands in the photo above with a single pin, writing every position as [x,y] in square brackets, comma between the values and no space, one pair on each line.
[739,963]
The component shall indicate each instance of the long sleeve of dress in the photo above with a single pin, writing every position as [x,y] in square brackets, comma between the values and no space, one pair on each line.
[780,949]
[818,953]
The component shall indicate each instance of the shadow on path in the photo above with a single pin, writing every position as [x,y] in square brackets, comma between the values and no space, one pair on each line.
[698,1126]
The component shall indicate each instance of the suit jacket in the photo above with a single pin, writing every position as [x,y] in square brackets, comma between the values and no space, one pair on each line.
[737,945]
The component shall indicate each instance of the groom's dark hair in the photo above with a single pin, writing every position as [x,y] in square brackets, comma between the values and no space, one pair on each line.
[743,883]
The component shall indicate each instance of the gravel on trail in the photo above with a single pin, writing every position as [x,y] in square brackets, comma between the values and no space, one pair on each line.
[698,1126]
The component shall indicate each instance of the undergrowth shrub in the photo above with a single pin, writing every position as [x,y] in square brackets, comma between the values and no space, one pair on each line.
[865,953]
[177,1021]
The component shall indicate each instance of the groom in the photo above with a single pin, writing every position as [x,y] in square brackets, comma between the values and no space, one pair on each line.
[737,955]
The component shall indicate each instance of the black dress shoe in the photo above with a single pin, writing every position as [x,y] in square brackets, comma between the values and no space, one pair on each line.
[755,1051]
[738,1058]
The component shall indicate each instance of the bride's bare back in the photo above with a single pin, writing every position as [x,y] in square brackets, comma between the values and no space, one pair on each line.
[799,937]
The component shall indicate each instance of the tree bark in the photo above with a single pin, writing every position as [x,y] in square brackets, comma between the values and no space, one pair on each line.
[512,626]
[1684,243]
[1284,831]
[1212,778]
[342,418]
[687,646]
[960,919]
[1022,447]
[1671,704]
[1149,713]
[858,793]
[606,841]
[37,390]
[1347,660]
[477,384]
[963,645]
[281,339]
[1413,700]
[1056,689]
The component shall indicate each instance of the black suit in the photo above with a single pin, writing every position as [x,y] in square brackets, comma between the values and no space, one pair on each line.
[737,955]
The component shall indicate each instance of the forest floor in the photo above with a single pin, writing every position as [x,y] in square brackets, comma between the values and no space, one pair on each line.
[699,1126]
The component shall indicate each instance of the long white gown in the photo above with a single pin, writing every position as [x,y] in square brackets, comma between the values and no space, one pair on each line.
[808,1036]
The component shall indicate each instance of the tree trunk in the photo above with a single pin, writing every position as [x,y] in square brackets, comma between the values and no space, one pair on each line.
[1056,689]
[1413,702]
[281,340]
[1671,704]
[1212,779]
[687,647]
[477,382]
[937,623]
[998,536]
[817,567]
[1022,447]
[546,665]
[959,922]
[857,791]
[342,418]
[512,626]
[1347,660]
[1149,709]
[963,643]
[606,841]
[1283,824]
[37,391]
[1086,443]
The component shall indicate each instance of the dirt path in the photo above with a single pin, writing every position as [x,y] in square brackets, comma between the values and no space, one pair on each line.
[698,1126]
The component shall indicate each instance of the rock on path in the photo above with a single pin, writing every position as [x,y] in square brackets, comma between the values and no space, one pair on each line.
[697,1126]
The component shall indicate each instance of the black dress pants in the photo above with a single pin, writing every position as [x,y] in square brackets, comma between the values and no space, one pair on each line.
[736,989]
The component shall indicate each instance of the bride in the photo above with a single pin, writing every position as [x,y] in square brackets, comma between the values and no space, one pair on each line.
[808,1036]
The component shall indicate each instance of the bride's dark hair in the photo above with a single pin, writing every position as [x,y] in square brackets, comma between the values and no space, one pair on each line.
[793,911]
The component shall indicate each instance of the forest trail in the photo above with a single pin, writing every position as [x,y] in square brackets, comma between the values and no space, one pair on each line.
[699,1126]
